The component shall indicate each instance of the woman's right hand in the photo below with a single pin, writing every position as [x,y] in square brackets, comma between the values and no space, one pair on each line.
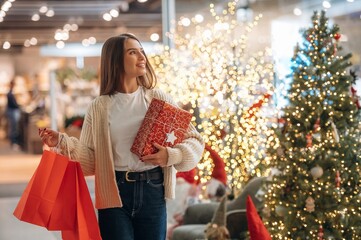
[49,137]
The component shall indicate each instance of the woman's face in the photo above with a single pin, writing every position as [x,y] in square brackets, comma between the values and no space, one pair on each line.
[134,59]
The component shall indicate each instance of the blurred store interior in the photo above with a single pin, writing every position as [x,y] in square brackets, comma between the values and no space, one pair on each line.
[52,48]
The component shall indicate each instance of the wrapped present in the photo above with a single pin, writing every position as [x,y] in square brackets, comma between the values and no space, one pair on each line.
[164,124]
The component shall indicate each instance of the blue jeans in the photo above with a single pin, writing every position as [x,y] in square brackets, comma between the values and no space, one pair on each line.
[143,215]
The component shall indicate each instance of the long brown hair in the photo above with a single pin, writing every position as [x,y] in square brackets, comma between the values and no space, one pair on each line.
[112,66]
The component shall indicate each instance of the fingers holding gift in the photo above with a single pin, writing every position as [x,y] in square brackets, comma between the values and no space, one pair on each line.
[158,159]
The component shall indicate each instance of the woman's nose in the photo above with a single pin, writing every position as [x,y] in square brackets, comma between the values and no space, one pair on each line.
[141,55]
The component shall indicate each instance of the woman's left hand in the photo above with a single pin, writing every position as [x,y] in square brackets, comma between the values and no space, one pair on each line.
[158,159]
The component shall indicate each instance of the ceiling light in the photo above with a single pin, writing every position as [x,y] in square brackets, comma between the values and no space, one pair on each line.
[58,34]
[35,17]
[349,0]
[60,44]
[142,1]
[67,27]
[50,13]
[33,41]
[43,9]
[326,4]
[297,12]
[61,34]
[154,37]
[185,22]
[199,18]
[74,27]
[92,40]
[27,43]
[107,17]
[6,45]
[6,6]
[65,35]
[85,42]
[114,13]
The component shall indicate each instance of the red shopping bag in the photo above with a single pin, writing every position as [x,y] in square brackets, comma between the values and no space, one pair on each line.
[65,204]
[86,223]
[53,179]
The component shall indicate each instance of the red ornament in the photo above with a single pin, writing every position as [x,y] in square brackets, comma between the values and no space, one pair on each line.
[355,97]
[353,91]
[320,233]
[316,126]
[221,133]
[78,123]
[338,179]
[309,140]
[337,36]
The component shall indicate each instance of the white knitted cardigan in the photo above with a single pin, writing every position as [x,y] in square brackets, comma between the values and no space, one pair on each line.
[94,152]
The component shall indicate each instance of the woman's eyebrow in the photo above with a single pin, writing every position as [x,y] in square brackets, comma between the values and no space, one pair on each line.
[131,49]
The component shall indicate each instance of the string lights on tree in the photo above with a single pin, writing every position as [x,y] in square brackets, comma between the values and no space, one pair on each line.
[225,87]
[319,184]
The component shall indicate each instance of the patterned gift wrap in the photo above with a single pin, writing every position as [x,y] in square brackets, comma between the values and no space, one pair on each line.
[164,124]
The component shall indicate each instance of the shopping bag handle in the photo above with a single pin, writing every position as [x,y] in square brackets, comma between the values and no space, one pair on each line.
[57,147]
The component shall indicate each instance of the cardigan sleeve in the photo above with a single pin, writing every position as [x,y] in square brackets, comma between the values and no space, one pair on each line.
[185,155]
[81,150]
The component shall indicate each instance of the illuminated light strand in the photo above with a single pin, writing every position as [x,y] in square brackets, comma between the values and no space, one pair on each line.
[215,76]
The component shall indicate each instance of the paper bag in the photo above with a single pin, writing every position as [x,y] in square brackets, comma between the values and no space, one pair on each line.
[40,195]
[58,198]
[86,223]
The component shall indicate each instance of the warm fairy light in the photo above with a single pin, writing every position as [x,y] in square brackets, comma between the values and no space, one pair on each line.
[228,89]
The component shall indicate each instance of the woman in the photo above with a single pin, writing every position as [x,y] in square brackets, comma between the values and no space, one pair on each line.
[130,206]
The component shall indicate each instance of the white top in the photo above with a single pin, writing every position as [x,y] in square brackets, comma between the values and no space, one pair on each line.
[126,113]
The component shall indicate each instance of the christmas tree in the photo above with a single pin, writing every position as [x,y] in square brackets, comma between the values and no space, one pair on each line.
[211,73]
[315,193]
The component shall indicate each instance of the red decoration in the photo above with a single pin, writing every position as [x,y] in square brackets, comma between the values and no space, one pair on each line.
[334,49]
[222,133]
[337,36]
[251,111]
[257,230]
[309,140]
[316,127]
[355,97]
[338,179]
[219,171]
[320,233]
[281,120]
[78,123]
[164,124]
[188,176]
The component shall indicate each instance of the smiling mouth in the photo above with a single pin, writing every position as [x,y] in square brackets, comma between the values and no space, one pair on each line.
[142,65]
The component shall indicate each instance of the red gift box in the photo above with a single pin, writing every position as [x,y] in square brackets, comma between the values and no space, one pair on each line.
[164,124]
